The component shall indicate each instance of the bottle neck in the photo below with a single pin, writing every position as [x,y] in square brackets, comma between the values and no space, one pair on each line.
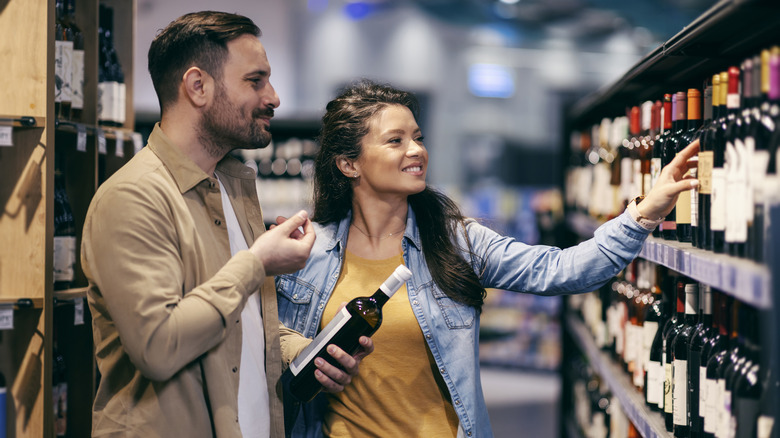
[380,297]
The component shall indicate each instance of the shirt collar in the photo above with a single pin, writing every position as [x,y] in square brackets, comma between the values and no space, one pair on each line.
[185,172]
[412,232]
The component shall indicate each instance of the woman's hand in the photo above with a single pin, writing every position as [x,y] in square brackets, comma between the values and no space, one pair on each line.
[334,379]
[674,179]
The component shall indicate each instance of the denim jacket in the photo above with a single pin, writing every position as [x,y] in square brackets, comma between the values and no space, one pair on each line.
[452,329]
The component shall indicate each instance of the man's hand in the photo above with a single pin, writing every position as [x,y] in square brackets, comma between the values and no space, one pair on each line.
[284,248]
[334,379]
[672,181]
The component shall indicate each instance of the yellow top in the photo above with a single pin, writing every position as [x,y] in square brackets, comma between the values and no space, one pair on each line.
[398,391]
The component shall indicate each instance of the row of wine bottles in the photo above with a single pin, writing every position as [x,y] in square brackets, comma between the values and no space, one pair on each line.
[621,158]
[284,170]
[69,68]
[696,353]
[596,410]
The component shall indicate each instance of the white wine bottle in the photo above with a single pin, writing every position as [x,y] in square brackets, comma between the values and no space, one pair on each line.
[360,317]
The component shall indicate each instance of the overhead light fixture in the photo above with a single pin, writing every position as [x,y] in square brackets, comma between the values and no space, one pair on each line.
[509,2]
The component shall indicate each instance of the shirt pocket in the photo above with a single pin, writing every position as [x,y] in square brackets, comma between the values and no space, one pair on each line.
[294,297]
[456,315]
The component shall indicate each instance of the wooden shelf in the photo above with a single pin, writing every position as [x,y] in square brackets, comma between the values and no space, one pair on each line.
[22,303]
[649,423]
[70,294]
[22,121]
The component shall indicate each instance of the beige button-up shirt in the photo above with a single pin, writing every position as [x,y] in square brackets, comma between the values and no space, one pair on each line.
[166,298]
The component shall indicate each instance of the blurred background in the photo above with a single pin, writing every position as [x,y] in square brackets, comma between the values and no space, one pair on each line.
[495,78]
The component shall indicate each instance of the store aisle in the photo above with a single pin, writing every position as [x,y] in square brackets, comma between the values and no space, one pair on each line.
[522,404]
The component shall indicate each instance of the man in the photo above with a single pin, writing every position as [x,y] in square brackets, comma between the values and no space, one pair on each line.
[175,251]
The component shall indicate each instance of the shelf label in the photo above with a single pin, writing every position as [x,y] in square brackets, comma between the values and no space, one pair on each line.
[6,317]
[6,135]
[101,140]
[120,144]
[78,312]
[138,142]
[81,137]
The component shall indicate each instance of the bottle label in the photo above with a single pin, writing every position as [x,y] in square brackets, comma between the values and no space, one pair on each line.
[704,172]
[655,383]
[63,70]
[703,387]
[764,426]
[711,414]
[649,330]
[683,206]
[77,81]
[668,389]
[64,257]
[759,165]
[655,170]
[320,341]
[718,201]
[680,392]
[106,100]
[694,195]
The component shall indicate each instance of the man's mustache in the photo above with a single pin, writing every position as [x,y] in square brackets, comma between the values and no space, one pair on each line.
[268,112]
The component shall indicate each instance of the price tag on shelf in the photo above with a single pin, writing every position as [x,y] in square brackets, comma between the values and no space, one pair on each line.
[78,312]
[81,137]
[120,144]
[6,135]
[101,140]
[6,317]
[138,142]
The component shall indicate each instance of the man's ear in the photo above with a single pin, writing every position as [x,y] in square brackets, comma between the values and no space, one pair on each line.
[197,86]
[348,167]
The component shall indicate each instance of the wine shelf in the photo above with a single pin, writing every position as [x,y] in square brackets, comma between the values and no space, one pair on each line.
[720,37]
[649,423]
[746,280]
[22,303]
[22,121]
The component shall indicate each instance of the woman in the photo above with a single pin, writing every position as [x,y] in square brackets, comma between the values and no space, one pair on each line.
[373,211]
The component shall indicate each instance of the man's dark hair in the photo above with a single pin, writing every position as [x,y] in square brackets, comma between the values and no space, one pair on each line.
[196,39]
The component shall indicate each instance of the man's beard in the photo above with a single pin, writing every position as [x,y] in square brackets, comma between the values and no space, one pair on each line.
[224,127]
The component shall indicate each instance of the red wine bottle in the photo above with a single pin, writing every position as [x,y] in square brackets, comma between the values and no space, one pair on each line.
[360,317]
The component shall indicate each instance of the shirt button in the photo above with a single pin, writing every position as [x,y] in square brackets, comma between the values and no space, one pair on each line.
[295,296]
[235,369]
[469,434]
[211,184]
[237,321]
[320,306]
[442,370]
[428,336]
[457,402]
[217,222]
[415,302]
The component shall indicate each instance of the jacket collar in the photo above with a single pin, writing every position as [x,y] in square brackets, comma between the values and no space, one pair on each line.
[340,231]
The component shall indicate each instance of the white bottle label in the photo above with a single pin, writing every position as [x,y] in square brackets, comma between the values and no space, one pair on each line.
[63,54]
[655,383]
[711,414]
[718,200]
[77,81]
[703,387]
[320,341]
[764,426]
[680,392]
[64,257]
[668,389]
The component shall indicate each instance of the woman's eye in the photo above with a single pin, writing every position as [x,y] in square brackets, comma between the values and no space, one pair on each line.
[419,139]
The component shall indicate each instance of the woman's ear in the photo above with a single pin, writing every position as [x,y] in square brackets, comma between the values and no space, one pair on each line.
[198,86]
[348,167]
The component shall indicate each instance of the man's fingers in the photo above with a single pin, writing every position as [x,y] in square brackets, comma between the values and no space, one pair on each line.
[290,225]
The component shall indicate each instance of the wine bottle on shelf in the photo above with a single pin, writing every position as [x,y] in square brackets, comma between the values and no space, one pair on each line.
[110,76]
[77,64]
[669,357]
[645,147]
[704,172]
[656,161]
[691,117]
[765,424]
[718,204]
[63,55]
[668,226]
[680,364]
[659,312]
[736,184]
[637,134]
[60,393]
[362,316]
[718,350]
[764,158]
[64,235]
[3,407]
[748,381]
[734,356]
[697,371]
[751,118]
